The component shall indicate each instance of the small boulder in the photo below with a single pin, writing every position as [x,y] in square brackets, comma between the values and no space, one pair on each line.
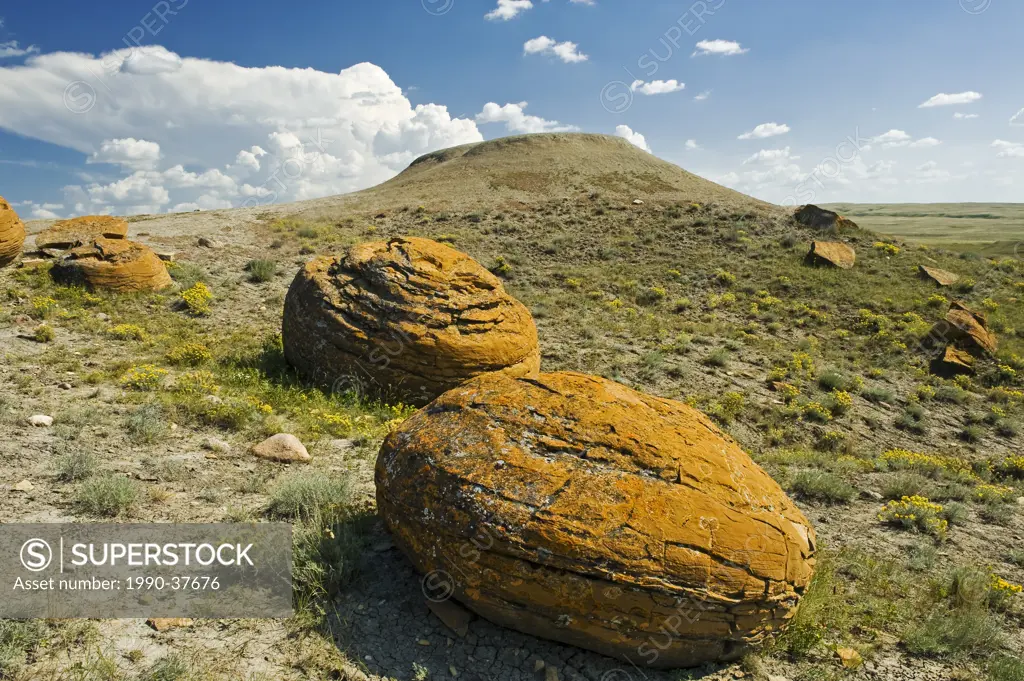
[12,234]
[966,329]
[112,264]
[206,242]
[167,623]
[24,486]
[595,516]
[849,657]
[832,253]
[67,234]
[821,218]
[408,318]
[215,445]
[40,421]
[282,448]
[953,362]
[940,277]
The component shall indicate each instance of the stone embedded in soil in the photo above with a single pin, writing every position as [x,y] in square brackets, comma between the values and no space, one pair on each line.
[820,218]
[408,318]
[24,486]
[282,448]
[452,615]
[573,508]
[215,445]
[12,234]
[112,264]
[940,277]
[41,421]
[67,234]
[206,242]
[166,623]
[832,253]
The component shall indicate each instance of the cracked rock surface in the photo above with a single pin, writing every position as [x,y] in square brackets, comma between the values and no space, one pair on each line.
[408,318]
[114,265]
[12,233]
[573,508]
[66,234]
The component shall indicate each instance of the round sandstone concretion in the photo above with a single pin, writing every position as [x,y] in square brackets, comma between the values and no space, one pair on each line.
[66,234]
[12,234]
[114,265]
[408,318]
[575,509]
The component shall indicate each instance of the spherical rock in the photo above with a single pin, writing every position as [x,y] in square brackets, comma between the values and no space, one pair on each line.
[12,234]
[573,508]
[112,264]
[66,234]
[408,318]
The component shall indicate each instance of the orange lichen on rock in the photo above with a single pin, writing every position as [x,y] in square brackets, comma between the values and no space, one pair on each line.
[12,234]
[940,277]
[66,234]
[967,329]
[114,265]
[952,362]
[576,509]
[832,253]
[409,318]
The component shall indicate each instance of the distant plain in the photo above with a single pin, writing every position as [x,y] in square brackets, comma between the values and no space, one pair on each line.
[993,229]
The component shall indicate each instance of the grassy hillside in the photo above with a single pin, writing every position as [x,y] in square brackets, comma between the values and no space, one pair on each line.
[989,229]
[696,293]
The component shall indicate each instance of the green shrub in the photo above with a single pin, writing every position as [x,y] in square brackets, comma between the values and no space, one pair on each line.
[108,496]
[76,464]
[261,270]
[146,424]
[822,486]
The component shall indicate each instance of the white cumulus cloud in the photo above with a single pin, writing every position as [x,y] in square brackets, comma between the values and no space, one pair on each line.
[1009,149]
[692,145]
[11,49]
[566,51]
[657,87]
[177,126]
[961,116]
[516,119]
[129,152]
[702,96]
[725,48]
[765,130]
[772,157]
[925,142]
[635,138]
[943,99]
[508,9]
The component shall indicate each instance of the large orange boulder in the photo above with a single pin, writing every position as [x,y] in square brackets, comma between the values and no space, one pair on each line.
[573,508]
[12,234]
[114,265]
[833,254]
[409,318]
[66,234]
[966,329]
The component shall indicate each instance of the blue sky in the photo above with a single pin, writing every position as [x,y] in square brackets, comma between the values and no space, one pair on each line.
[134,107]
